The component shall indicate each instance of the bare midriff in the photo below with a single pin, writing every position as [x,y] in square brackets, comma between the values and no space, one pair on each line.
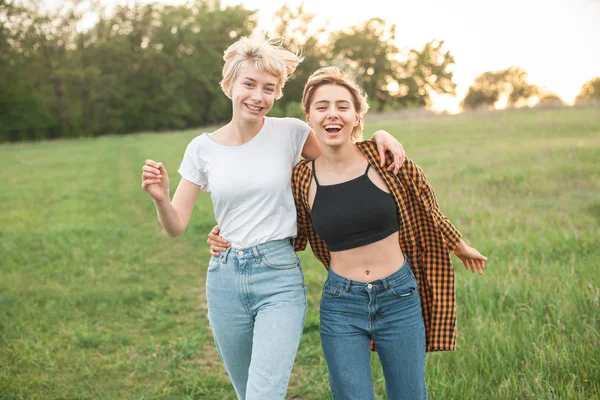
[370,262]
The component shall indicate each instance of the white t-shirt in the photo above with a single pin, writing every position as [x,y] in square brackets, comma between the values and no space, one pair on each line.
[250,185]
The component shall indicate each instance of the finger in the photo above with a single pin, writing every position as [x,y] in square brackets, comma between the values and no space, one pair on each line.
[217,242]
[472,265]
[396,155]
[402,155]
[150,175]
[216,238]
[214,253]
[215,230]
[464,263]
[148,168]
[148,182]
[381,151]
[217,248]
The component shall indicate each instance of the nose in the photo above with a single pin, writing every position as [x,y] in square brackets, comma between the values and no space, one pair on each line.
[332,113]
[256,94]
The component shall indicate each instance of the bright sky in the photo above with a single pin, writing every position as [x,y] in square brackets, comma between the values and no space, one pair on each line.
[555,41]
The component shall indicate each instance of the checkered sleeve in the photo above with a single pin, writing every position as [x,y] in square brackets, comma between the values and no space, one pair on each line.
[301,211]
[450,234]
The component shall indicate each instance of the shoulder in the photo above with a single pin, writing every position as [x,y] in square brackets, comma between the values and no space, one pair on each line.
[370,145]
[294,123]
[303,167]
[200,143]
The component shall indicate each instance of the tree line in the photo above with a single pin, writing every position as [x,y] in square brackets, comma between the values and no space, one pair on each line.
[512,85]
[156,67]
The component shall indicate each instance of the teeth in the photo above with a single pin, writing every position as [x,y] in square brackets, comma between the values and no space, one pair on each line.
[333,127]
[253,108]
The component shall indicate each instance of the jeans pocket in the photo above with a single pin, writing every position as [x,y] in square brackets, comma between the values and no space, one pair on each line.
[213,264]
[331,291]
[283,258]
[404,287]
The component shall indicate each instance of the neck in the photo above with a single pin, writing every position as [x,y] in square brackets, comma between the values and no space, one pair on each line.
[338,158]
[243,131]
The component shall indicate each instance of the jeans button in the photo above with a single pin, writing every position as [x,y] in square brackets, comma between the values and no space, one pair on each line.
[240,253]
[369,286]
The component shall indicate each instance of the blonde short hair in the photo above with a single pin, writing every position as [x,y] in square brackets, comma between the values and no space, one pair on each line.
[266,55]
[335,76]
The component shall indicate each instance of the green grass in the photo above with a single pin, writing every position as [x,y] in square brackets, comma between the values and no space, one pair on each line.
[96,303]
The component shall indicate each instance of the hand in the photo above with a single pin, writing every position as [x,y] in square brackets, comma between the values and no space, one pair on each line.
[155,180]
[470,257]
[385,141]
[217,243]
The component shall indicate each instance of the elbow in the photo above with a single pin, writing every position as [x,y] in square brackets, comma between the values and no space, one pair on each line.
[174,232]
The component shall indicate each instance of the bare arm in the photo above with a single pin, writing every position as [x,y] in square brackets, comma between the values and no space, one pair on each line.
[312,147]
[174,216]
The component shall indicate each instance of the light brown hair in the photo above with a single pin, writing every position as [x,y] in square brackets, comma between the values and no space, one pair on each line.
[335,76]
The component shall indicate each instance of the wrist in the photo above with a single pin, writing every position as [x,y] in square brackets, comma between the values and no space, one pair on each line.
[461,245]
[162,202]
[376,134]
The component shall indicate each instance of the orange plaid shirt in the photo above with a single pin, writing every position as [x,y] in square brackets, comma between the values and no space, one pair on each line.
[425,235]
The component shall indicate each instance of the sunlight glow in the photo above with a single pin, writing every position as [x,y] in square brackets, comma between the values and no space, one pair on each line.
[551,39]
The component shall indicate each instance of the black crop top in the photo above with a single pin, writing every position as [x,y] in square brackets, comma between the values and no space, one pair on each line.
[353,213]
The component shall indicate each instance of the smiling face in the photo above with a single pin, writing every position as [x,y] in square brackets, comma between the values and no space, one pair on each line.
[253,94]
[332,115]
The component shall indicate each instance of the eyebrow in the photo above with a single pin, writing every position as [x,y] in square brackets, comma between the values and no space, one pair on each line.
[337,101]
[254,80]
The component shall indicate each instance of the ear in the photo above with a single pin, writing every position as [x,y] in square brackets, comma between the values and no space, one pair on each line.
[307,119]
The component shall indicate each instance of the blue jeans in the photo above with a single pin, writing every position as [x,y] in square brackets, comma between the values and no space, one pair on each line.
[256,307]
[387,310]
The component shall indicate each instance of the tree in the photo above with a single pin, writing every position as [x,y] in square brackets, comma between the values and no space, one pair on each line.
[489,87]
[550,100]
[427,71]
[293,28]
[590,90]
[387,75]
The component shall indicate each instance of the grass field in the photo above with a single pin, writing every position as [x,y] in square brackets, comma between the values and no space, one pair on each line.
[96,303]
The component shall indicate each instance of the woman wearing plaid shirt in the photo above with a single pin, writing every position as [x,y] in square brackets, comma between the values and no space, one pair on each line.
[385,245]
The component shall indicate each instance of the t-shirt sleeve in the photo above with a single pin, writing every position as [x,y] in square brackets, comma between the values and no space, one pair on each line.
[298,134]
[192,166]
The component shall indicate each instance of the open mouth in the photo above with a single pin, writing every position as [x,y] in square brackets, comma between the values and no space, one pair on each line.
[254,108]
[333,130]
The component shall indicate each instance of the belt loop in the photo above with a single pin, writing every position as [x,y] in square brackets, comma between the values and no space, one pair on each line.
[347,286]
[225,254]
[255,252]
[385,283]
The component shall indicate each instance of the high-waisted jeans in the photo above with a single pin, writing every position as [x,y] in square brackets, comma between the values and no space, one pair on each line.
[387,310]
[256,308]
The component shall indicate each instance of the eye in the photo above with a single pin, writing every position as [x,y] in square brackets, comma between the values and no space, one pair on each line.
[344,108]
[270,90]
[321,108]
[248,84]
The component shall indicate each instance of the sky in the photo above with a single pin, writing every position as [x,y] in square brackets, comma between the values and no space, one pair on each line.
[556,41]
